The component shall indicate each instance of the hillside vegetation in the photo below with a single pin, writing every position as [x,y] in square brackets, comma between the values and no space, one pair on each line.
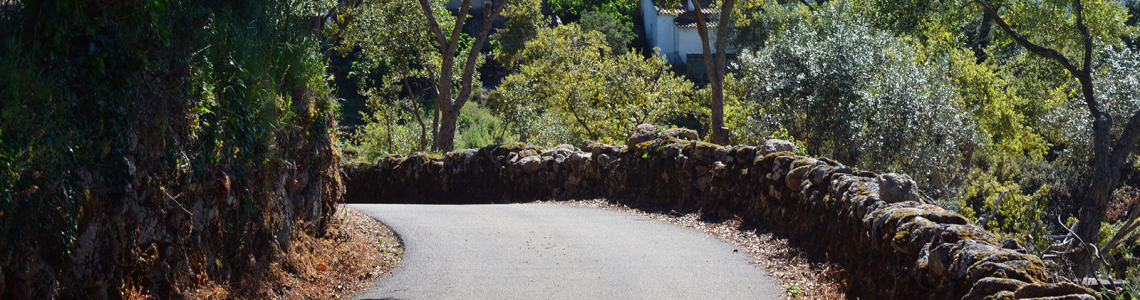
[150,146]
[1021,115]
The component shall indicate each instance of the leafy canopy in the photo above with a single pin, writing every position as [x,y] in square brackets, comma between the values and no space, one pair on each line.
[570,86]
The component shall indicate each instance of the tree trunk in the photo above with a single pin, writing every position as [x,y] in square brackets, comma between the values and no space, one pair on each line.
[720,131]
[982,39]
[1105,177]
[445,140]
[1109,156]
[715,76]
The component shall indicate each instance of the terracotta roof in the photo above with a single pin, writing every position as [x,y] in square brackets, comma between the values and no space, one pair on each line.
[692,24]
[684,8]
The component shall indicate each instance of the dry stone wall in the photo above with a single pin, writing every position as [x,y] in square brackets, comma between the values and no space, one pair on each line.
[894,245]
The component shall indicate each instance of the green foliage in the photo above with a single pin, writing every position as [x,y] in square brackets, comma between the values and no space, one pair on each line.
[570,87]
[109,104]
[1019,215]
[478,127]
[755,21]
[938,23]
[394,44]
[618,35]
[1118,92]
[992,96]
[855,94]
[794,290]
[619,10]
[1052,24]
[75,111]
[1009,92]
[391,128]
[524,18]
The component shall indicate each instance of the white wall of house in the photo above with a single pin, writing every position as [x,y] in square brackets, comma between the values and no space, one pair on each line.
[650,19]
[689,41]
[667,39]
[674,43]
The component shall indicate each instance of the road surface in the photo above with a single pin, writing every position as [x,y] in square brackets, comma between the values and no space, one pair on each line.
[550,251]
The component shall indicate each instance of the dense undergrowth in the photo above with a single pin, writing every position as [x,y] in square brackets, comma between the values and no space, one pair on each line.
[148,144]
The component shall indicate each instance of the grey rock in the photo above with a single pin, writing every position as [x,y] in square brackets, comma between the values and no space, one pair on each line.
[897,188]
[566,147]
[796,177]
[643,133]
[531,164]
[720,154]
[992,286]
[774,145]
[702,170]
[1012,244]
[680,133]
[604,159]
[580,160]
[671,151]
[589,146]
[703,182]
[1062,290]
[559,153]
[719,170]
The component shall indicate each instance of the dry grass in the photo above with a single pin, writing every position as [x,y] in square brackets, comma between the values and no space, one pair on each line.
[353,253]
[799,274]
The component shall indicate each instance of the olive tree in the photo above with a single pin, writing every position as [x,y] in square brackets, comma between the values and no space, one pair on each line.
[1110,150]
[855,94]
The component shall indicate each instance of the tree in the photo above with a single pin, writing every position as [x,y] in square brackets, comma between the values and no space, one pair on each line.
[715,70]
[413,44]
[619,10]
[524,18]
[618,35]
[754,21]
[570,86]
[1110,152]
[852,93]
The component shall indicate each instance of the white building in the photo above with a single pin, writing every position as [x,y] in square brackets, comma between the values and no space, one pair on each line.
[674,30]
[475,5]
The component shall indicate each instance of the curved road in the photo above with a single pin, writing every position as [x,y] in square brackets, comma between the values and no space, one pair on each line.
[549,251]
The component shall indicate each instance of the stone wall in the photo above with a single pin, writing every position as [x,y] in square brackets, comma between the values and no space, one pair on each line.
[893,244]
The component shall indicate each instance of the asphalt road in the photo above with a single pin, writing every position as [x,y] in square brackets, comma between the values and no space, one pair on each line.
[549,251]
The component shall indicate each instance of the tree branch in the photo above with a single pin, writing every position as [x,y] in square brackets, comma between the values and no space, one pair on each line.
[433,25]
[1078,8]
[703,31]
[455,32]
[574,112]
[721,35]
[418,112]
[1082,74]
[473,53]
